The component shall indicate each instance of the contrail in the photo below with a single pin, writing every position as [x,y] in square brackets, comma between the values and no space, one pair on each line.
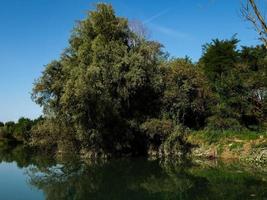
[156,16]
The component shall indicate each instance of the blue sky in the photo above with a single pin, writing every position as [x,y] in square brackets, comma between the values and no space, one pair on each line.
[34,32]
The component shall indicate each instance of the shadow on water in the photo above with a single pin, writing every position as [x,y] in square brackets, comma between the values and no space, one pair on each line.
[137,178]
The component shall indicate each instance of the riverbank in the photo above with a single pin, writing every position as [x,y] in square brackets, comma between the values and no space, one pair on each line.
[242,145]
[247,146]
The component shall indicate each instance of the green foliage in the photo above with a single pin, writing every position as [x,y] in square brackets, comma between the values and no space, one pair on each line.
[219,63]
[47,89]
[223,123]
[238,80]
[51,134]
[187,94]
[165,137]
[219,58]
[20,131]
[6,132]
[157,130]
[236,146]
[107,79]
[254,60]
[176,142]
[220,137]
[116,92]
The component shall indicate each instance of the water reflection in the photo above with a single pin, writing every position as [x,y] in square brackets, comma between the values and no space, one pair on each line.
[70,178]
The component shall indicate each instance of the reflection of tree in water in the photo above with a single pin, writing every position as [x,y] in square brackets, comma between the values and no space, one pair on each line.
[25,157]
[228,182]
[69,178]
[119,179]
[177,183]
[140,179]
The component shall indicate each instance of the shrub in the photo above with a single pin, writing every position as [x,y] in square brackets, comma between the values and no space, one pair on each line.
[219,123]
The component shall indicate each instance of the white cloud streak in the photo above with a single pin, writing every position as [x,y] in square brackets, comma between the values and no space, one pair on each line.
[170,32]
[152,18]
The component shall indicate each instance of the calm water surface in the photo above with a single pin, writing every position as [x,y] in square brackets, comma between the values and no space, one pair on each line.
[25,176]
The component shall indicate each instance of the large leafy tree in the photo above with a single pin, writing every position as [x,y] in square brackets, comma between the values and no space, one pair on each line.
[105,83]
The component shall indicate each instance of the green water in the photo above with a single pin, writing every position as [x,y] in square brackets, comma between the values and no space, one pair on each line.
[28,176]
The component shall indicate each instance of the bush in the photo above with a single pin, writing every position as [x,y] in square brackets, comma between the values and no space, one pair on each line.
[52,134]
[157,129]
[220,123]
[165,138]
[175,143]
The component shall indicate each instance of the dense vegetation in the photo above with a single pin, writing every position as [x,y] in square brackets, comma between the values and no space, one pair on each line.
[17,132]
[113,91]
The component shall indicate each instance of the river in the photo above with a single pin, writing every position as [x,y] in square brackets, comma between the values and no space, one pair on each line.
[25,175]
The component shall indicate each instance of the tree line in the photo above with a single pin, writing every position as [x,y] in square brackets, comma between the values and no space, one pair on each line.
[19,131]
[113,91]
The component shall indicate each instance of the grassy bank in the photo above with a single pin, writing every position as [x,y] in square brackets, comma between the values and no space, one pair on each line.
[248,146]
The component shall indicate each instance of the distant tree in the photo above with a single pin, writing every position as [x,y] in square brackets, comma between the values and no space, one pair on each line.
[2,124]
[22,129]
[10,126]
[7,130]
[252,13]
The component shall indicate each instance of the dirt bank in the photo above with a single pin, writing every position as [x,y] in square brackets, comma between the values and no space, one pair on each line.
[250,149]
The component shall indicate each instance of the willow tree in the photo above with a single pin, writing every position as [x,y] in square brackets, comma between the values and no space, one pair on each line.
[105,84]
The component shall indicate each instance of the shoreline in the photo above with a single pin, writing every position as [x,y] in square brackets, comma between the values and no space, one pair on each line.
[251,149]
